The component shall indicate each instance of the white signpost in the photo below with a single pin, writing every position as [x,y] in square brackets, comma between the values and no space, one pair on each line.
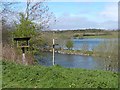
[53,52]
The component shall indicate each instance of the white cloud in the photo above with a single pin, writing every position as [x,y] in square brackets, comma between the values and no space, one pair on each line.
[73,22]
[106,19]
[109,25]
[110,12]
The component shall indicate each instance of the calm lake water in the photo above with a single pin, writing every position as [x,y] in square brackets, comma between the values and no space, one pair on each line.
[76,61]
[91,43]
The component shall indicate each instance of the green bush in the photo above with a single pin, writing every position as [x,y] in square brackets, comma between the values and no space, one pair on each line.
[69,44]
[25,27]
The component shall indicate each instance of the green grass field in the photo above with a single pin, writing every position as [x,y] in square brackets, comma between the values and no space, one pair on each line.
[20,76]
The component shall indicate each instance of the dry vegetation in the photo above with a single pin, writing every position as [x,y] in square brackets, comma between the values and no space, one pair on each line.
[12,54]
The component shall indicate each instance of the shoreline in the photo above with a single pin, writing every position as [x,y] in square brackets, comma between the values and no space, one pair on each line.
[77,52]
[73,52]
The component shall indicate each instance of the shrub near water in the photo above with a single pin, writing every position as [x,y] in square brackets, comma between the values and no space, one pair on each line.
[109,51]
[19,76]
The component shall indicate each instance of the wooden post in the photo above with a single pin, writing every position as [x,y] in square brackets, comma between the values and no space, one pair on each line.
[53,52]
[23,56]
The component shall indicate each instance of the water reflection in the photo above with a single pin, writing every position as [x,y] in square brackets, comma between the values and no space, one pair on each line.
[74,61]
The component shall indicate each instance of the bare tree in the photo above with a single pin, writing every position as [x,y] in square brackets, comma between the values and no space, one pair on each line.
[85,47]
[37,12]
[7,11]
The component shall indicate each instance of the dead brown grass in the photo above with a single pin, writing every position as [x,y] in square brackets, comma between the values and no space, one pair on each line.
[15,55]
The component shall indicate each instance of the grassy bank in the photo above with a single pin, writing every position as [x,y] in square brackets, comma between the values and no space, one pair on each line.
[20,76]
